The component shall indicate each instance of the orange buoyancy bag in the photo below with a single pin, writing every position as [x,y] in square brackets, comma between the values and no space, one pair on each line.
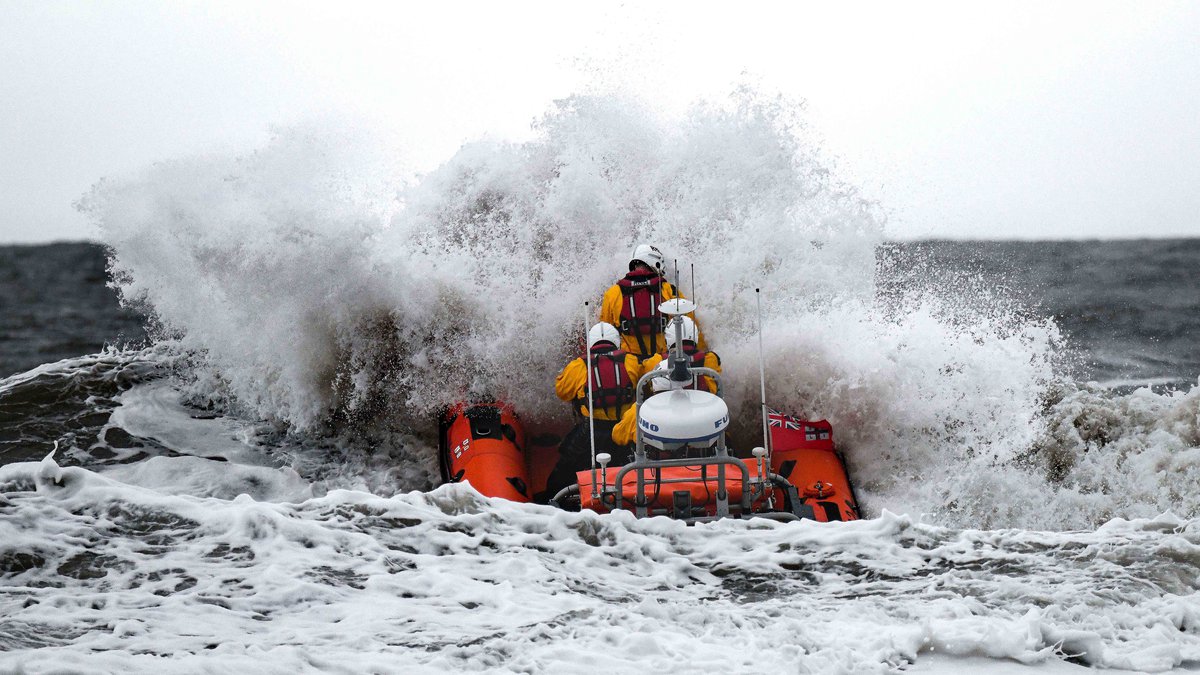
[641,293]
[611,386]
[484,444]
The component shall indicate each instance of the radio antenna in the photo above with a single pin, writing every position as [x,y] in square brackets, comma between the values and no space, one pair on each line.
[693,266]
[762,378]
[587,354]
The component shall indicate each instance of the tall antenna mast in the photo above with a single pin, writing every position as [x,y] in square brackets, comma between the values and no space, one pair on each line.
[587,354]
[675,319]
[762,378]
[693,291]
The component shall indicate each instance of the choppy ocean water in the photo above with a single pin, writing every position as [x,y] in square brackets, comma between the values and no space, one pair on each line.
[254,487]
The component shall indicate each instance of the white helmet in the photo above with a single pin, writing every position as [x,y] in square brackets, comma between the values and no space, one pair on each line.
[603,332]
[648,254]
[689,331]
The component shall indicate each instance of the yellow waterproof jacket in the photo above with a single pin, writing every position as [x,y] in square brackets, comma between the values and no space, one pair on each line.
[625,433]
[610,312]
[711,360]
[571,386]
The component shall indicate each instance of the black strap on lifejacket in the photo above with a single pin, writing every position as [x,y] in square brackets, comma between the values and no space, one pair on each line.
[612,389]
[641,293]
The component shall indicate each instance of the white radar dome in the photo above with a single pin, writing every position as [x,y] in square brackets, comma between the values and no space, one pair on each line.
[673,419]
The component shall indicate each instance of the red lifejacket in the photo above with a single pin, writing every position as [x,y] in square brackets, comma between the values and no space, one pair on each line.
[696,357]
[611,387]
[641,293]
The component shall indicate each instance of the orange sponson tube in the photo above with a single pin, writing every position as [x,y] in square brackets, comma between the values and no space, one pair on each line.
[802,451]
[484,445]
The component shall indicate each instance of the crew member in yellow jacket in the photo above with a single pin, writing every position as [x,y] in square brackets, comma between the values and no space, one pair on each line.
[631,304]
[614,375]
[625,433]
[699,358]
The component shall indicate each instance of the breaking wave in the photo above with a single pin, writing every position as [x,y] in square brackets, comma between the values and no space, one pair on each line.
[313,285]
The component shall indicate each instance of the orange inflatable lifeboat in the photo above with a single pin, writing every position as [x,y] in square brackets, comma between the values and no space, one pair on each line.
[485,444]
[681,464]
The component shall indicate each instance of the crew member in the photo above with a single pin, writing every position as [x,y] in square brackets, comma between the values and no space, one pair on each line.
[699,358]
[632,303]
[624,434]
[614,375]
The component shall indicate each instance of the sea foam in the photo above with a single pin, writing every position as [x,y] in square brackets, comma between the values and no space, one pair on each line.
[109,577]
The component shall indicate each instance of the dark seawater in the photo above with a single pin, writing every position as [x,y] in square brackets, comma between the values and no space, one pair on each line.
[1129,309]
[55,304]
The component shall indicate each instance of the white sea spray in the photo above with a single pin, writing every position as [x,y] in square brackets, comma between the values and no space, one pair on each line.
[315,286]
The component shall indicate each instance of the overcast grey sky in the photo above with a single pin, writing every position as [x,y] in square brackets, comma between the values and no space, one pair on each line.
[1023,120]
